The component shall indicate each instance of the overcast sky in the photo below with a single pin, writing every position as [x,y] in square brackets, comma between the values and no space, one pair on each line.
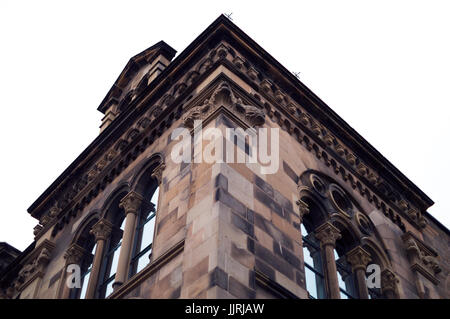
[383,66]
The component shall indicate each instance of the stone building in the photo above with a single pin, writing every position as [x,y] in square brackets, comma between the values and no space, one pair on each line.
[135,223]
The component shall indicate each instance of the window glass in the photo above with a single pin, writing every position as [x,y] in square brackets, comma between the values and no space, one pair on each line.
[314,277]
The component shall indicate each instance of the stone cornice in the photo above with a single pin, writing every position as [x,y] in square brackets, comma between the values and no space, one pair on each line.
[288,108]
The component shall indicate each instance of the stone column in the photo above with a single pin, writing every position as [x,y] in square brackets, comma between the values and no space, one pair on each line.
[101,230]
[358,258]
[130,204]
[389,283]
[327,234]
[73,255]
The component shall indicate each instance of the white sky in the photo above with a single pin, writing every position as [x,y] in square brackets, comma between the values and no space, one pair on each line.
[383,66]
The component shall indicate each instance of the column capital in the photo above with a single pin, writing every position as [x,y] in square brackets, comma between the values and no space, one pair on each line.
[303,209]
[327,234]
[131,203]
[358,258]
[74,254]
[157,172]
[389,282]
[101,229]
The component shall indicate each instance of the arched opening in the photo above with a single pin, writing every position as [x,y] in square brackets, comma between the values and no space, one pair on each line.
[314,270]
[86,241]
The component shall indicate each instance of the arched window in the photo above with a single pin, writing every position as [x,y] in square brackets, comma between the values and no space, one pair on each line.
[111,259]
[85,277]
[339,241]
[314,276]
[314,272]
[144,235]
[345,277]
[86,242]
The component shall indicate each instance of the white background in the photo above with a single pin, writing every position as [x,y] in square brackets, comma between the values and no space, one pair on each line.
[383,66]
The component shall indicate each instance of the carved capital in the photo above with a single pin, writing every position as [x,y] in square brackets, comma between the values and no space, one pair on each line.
[101,230]
[358,258]
[423,258]
[303,209]
[327,234]
[131,203]
[389,282]
[157,172]
[74,254]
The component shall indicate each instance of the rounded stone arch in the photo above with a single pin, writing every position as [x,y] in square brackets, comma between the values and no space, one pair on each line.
[376,252]
[350,236]
[143,182]
[317,211]
[110,209]
[82,236]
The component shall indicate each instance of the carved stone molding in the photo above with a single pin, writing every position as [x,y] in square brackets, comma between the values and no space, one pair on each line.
[389,282]
[223,96]
[131,203]
[74,254]
[303,209]
[102,229]
[327,234]
[33,266]
[158,171]
[73,195]
[358,258]
[423,259]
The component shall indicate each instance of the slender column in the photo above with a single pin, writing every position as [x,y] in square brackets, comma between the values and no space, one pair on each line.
[73,255]
[327,234]
[101,230]
[130,204]
[389,283]
[358,258]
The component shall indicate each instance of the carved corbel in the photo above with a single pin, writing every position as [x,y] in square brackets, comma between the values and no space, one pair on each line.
[389,284]
[158,171]
[423,259]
